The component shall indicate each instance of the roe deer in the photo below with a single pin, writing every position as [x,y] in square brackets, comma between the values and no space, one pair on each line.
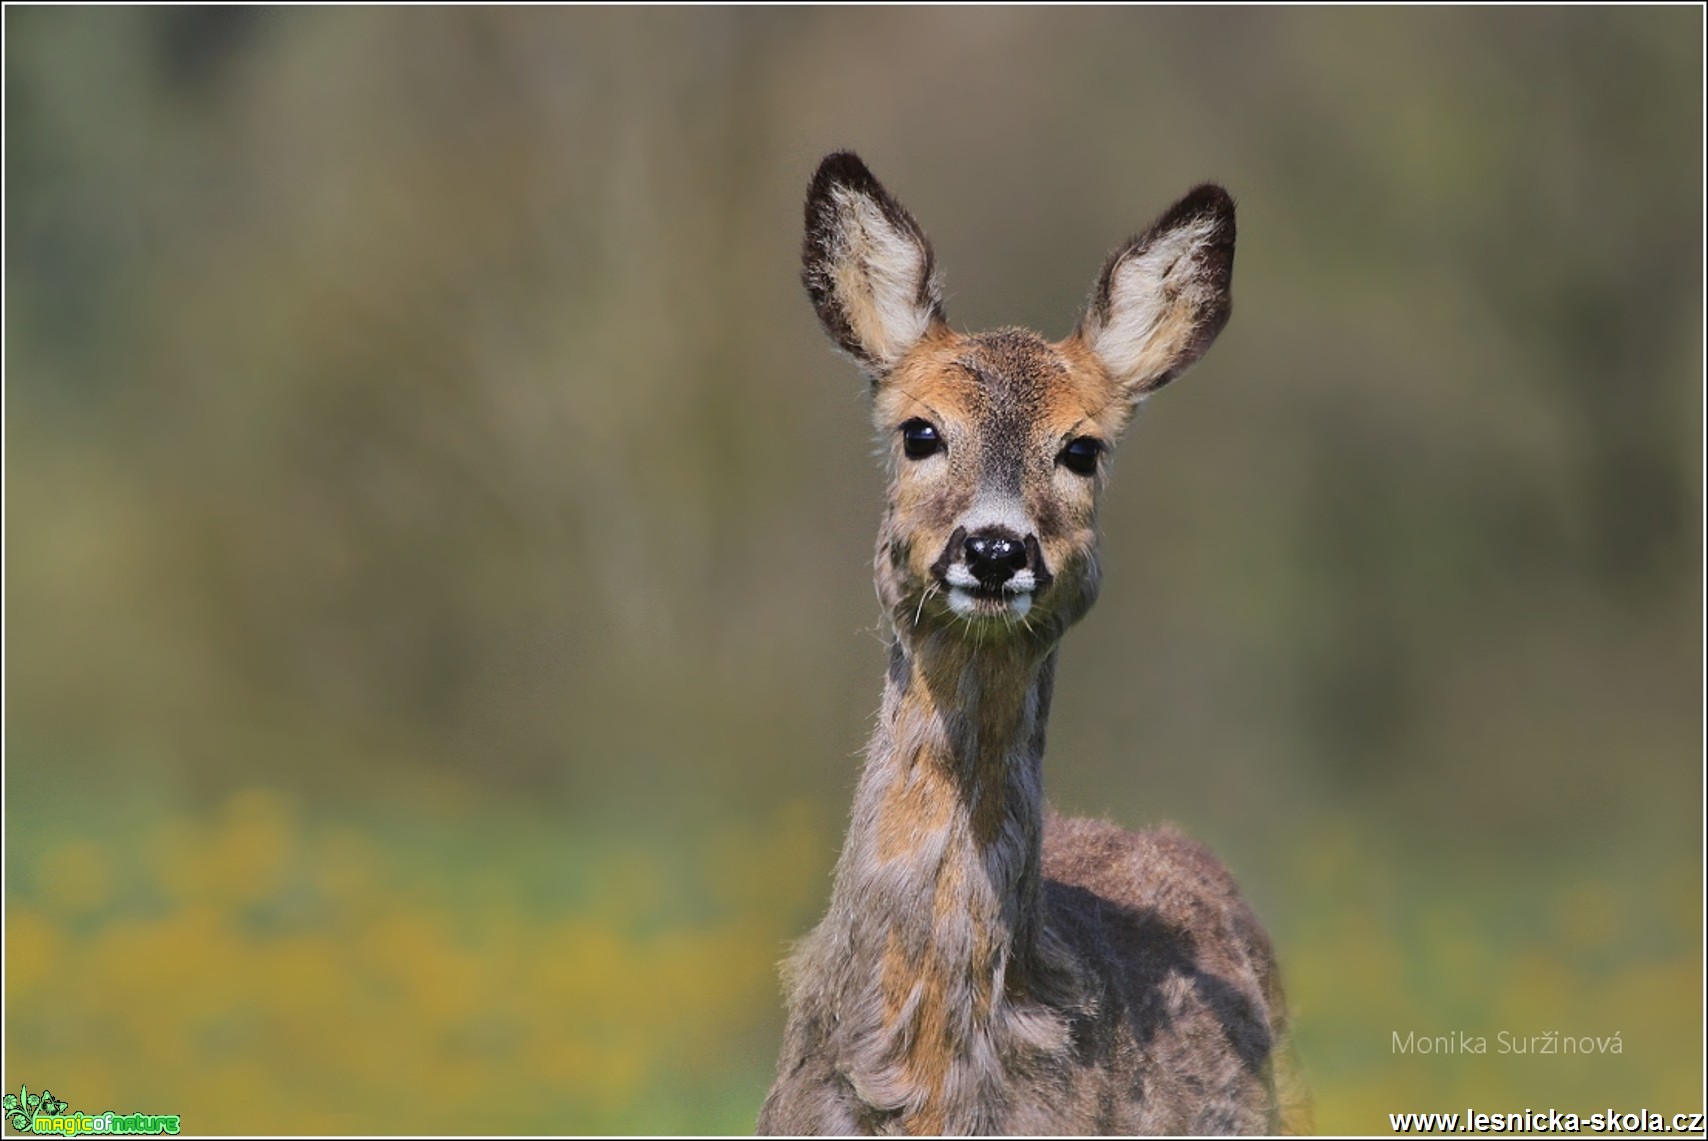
[987,966]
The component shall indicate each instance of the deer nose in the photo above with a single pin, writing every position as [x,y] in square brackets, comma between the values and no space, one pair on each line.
[994,558]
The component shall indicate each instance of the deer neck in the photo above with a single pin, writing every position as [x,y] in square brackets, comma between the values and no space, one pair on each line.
[938,898]
[948,818]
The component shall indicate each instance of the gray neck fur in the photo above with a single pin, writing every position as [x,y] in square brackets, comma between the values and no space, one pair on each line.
[925,973]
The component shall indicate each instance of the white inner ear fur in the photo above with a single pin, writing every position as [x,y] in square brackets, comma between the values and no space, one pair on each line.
[1154,300]
[878,270]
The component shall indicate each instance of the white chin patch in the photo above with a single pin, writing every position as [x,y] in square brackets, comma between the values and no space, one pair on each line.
[967,604]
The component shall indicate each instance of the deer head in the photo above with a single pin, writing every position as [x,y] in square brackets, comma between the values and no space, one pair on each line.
[998,443]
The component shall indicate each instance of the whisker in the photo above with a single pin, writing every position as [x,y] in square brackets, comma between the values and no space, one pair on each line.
[925,594]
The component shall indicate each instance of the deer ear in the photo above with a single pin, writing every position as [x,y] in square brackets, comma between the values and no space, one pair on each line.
[1163,296]
[867,265]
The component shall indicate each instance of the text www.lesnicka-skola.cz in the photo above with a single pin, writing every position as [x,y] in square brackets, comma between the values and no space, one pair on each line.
[1547,1121]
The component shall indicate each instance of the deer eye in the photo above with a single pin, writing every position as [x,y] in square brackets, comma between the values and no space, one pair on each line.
[1080,456]
[919,439]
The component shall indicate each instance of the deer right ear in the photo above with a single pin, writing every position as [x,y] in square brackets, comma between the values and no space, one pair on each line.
[867,266]
[1163,297]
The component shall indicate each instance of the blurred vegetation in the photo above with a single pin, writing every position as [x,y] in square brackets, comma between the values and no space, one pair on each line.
[346,976]
[438,619]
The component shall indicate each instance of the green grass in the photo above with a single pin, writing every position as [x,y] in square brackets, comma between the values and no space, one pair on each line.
[488,968]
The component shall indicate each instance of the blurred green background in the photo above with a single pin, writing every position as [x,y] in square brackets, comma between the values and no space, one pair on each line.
[439,631]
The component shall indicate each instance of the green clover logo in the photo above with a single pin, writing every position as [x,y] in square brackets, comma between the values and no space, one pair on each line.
[16,1106]
[21,1108]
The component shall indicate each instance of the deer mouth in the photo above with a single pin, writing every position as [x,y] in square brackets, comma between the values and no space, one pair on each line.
[971,598]
[991,573]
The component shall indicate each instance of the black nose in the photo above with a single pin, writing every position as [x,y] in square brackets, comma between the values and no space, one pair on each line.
[994,557]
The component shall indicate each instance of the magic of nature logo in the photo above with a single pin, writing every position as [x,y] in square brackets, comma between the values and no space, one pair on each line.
[41,1112]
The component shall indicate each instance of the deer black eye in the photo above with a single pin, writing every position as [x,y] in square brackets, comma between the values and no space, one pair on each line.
[1080,456]
[919,439]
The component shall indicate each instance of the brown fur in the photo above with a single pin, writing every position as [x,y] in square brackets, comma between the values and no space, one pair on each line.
[985,965]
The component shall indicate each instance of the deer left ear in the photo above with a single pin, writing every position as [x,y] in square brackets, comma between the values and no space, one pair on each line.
[1164,296]
[867,266]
